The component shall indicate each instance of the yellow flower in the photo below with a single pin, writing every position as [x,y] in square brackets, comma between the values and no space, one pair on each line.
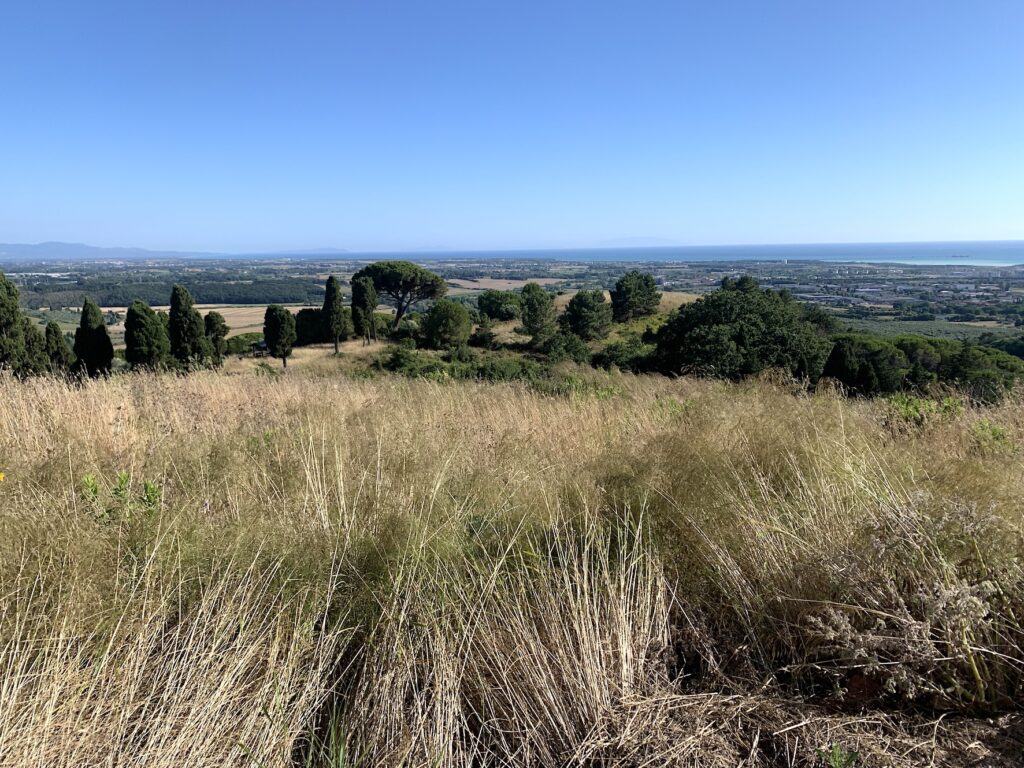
[2,477]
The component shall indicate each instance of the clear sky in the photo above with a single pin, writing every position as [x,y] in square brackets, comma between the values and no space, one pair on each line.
[244,126]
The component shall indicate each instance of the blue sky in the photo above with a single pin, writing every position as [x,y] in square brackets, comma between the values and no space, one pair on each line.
[378,125]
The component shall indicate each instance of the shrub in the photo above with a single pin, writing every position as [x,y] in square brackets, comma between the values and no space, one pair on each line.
[483,336]
[499,305]
[588,315]
[741,330]
[446,325]
[242,343]
[919,411]
[634,295]
[566,347]
[629,354]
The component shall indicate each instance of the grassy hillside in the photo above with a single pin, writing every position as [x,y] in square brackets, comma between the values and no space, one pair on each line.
[254,570]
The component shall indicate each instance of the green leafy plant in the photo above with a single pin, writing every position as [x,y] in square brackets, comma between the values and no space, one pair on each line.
[151,497]
[90,488]
[991,437]
[919,411]
[837,757]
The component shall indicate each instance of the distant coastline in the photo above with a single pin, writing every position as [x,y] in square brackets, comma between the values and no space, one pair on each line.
[1004,253]
[984,253]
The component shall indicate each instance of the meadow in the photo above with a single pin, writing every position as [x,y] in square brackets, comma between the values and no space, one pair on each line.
[245,568]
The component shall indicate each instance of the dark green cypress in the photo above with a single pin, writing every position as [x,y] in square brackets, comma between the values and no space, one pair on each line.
[57,350]
[145,338]
[12,329]
[35,361]
[217,331]
[93,349]
[279,332]
[364,304]
[187,330]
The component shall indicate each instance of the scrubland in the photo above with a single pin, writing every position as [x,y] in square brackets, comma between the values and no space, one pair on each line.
[307,570]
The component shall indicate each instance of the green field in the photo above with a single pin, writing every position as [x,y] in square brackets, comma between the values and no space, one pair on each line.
[936,328]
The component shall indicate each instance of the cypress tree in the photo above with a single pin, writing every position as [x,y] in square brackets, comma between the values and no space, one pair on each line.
[310,327]
[187,330]
[145,338]
[35,361]
[93,348]
[334,318]
[57,350]
[279,332]
[12,328]
[364,304]
[217,331]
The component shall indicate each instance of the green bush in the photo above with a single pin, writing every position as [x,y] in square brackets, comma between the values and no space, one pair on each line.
[446,325]
[741,330]
[629,354]
[242,343]
[564,347]
[919,411]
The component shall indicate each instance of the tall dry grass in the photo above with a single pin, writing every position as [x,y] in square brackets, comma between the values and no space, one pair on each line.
[306,570]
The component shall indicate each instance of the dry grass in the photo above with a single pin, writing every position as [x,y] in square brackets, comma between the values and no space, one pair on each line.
[240,318]
[670,300]
[499,283]
[305,569]
[315,359]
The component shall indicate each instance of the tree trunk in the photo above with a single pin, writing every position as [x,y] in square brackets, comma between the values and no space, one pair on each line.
[400,310]
[336,350]
[284,361]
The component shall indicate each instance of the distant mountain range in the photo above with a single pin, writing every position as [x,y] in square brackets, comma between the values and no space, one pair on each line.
[81,252]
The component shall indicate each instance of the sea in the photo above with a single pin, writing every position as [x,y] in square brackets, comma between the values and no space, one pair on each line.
[986,253]
[989,253]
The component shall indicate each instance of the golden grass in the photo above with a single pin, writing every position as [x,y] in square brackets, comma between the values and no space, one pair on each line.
[243,570]
[498,283]
[670,300]
[318,358]
[240,318]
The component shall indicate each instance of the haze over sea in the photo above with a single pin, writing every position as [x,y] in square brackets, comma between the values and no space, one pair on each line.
[1001,253]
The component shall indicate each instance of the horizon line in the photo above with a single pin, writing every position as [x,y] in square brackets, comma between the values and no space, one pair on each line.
[339,251]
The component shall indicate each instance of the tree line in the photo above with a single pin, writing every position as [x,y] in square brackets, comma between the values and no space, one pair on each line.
[736,331]
[231,288]
[181,338]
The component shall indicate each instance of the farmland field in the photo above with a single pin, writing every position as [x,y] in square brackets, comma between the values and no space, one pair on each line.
[937,328]
[670,300]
